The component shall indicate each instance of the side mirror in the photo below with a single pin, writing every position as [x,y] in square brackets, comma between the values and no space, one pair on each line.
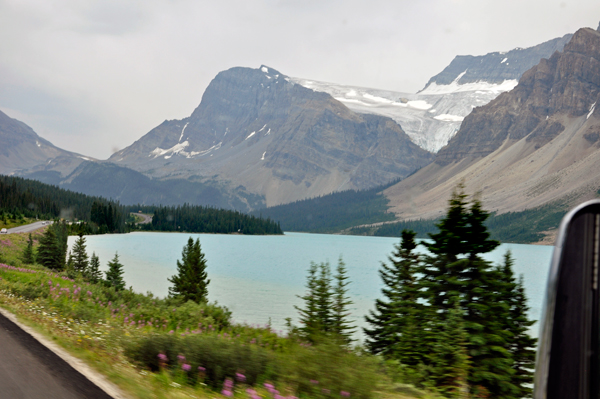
[567,364]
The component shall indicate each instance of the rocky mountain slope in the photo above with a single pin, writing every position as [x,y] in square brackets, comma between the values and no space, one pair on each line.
[22,149]
[537,144]
[432,116]
[258,129]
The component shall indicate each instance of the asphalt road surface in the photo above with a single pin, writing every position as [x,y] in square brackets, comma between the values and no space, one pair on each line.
[147,218]
[28,228]
[29,370]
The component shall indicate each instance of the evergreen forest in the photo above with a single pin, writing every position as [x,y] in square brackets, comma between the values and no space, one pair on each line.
[333,212]
[22,198]
[204,219]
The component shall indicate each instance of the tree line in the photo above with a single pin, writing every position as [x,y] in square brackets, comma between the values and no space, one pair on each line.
[204,219]
[52,254]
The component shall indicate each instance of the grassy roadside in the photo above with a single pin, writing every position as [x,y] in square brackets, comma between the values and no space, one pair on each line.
[120,334]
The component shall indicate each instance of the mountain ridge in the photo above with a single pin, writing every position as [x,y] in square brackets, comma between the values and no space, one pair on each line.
[288,142]
[536,144]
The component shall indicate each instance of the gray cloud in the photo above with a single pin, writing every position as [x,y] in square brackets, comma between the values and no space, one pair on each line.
[92,76]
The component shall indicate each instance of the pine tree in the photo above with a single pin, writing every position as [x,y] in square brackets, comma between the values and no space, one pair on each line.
[451,240]
[28,256]
[340,324]
[325,312]
[522,345]
[308,315]
[80,257]
[456,270]
[449,359]
[191,283]
[114,274]
[485,321]
[50,250]
[478,237]
[62,237]
[93,273]
[395,332]
[324,298]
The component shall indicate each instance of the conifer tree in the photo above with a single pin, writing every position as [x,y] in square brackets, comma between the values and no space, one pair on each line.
[69,268]
[324,298]
[28,256]
[191,282]
[451,240]
[308,315]
[449,360]
[50,250]
[340,324]
[521,345]
[114,274]
[456,269]
[325,312]
[395,332]
[80,257]
[485,321]
[93,273]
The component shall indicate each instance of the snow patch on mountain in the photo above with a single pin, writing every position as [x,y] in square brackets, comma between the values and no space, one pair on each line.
[455,87]
[183,130]
[449,118]
[179,149]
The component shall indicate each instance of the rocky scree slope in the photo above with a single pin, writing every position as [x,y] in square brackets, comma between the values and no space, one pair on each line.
[258,129]
[537,144]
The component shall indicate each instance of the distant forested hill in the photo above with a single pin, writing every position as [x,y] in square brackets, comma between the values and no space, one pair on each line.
[333,212]
[523,227]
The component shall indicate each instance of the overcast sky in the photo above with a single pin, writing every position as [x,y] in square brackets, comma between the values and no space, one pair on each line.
[94,76]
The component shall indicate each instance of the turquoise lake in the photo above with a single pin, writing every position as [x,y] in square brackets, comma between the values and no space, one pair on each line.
[259,277]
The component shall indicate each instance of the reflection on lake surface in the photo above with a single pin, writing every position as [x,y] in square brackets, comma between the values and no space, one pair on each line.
[258,277]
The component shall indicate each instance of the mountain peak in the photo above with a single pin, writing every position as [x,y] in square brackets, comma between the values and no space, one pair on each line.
[496,67]
[563,86]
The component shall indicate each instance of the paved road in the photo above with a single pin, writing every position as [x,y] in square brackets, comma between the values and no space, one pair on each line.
[147,218]
[29,370]
[28,228]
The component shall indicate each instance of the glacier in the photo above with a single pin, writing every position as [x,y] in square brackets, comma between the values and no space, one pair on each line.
[430,117]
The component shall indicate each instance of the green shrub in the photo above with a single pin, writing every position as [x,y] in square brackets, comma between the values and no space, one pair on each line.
[327,369]
[220,356]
